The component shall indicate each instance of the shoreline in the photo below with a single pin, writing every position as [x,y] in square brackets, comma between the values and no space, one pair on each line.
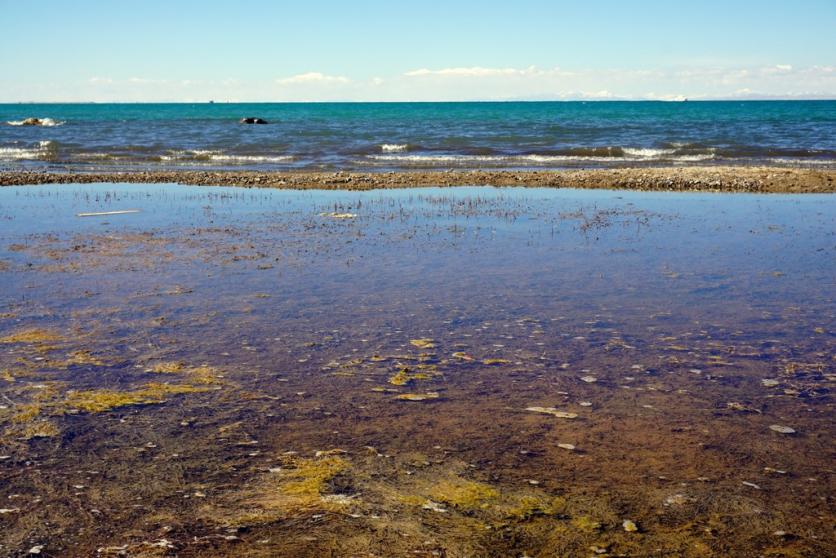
[674,179]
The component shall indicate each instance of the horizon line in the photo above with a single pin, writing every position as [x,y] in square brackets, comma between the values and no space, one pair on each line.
[310,102]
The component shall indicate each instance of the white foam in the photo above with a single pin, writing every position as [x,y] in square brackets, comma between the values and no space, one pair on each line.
[96,155]
[221,157]
[450,159]
[694,157]
[640,154]
[394,147]
[630,154]
[16,153]
[252,158]
[23,153]
[803,162]
[48,122]
[495,159]
[188,154]
[647,153]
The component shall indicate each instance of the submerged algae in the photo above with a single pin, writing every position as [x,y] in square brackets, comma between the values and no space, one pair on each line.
[31,336]
[99,401]
[308,478]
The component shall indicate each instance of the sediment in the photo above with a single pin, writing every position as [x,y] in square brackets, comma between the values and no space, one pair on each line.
[679,179]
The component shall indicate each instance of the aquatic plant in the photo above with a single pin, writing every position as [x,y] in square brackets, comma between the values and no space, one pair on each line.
[31,336]
[464,494]
[33,429]
[423,343]
[101,400]
[198,374]
[309,477]
[401,378]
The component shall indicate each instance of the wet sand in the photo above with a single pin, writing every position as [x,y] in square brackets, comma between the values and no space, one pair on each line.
[438,372]
[679,179]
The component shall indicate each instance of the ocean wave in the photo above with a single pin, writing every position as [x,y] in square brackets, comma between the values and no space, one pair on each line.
[803,162]
[601,156]
[43,150]
[252,158]
[189,155]
[394,147]
[208,155]
[48,122]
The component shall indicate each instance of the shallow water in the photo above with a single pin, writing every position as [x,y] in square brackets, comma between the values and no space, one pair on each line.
[168,376]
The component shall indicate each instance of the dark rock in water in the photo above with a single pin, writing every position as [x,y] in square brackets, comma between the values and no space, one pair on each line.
[252,120]
[32,122]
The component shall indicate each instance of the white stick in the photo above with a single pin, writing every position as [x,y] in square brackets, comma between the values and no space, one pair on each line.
[100,213]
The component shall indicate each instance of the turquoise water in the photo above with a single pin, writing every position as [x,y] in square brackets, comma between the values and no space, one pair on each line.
[386,136]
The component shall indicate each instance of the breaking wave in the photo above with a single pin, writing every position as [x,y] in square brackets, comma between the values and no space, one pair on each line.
[394,147]
[208,155]
[42,150]
[597,155]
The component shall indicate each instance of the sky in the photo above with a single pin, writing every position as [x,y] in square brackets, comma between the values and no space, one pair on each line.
[453,50]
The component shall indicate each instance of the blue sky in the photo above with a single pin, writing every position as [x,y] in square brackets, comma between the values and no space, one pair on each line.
[152,50]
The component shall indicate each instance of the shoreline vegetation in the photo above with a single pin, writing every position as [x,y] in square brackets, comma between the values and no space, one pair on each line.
[759,179]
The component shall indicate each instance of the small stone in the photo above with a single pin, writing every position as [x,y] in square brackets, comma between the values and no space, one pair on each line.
[434,506]
[552,411]
[770,382]
[418,396]
[569,447]
[36,549]
[585,403]
[325,453]
[782,429]
[629,526]
[677,500]
[589,379]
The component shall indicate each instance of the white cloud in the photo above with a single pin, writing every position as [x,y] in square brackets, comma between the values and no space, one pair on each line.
[464,83]
[312,77]
[475,71]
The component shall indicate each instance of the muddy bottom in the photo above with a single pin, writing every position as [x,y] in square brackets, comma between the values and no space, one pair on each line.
[430,372]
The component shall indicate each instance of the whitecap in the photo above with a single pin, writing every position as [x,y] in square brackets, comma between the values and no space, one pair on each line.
[188,155]
[630,155]
[21,153]
[252,158]
[394,147]
[647,153]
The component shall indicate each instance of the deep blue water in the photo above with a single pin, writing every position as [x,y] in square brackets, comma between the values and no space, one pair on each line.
[385,136]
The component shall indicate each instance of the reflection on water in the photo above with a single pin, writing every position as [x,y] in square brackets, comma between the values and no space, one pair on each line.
[428,372]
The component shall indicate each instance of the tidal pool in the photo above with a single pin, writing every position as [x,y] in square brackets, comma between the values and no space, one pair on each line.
[423,372]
